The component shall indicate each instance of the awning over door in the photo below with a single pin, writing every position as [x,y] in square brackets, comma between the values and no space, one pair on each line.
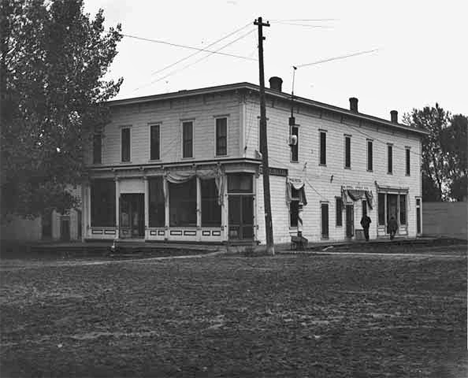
[351,194]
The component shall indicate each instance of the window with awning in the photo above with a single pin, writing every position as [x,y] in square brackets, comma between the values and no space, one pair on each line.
[295,196]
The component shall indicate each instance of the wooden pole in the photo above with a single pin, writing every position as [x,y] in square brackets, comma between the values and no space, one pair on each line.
[264,143]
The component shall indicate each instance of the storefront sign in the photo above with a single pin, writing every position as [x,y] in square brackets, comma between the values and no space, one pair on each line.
[276,171]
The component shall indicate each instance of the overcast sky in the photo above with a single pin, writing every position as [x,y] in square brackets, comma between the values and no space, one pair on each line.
[421,55]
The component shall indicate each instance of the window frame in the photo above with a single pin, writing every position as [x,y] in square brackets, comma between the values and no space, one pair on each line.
[390,158]
[407,161]
[123,155]
[347,152]
[151,126]
[209,203]
[216,118]
[294,155]
[183,123]
[103,213]
[159,220]
[370,155]
[186,202]
[323,148]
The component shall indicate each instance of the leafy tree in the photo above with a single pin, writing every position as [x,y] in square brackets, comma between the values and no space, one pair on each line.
[455,145]
[434,170]
[444,153]
[53,60]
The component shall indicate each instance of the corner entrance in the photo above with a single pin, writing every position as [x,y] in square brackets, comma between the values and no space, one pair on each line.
[241,219]
[132,216]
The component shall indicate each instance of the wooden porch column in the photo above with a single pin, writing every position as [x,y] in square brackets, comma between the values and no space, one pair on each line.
[117,207]
[146,210]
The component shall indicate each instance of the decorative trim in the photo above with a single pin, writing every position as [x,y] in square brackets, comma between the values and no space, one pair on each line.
[176,232]
[190,233]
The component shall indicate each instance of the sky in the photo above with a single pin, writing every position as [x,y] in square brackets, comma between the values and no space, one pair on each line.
[419,51]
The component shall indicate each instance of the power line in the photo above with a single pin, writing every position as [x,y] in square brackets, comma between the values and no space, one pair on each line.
[203,50]
[337,58]
[197,61]
[306,20]
[186,47]
[304,25]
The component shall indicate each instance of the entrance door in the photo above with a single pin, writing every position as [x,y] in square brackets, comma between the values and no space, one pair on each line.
[324,220]
[349,221]
[65,228]
[132,216]
[241,220]
[392,207]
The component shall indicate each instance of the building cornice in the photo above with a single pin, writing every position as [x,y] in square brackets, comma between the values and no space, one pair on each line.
[244,86]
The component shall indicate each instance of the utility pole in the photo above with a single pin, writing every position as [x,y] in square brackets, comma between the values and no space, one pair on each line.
[264,143]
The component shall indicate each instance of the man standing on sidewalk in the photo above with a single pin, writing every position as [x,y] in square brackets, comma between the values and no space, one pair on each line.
[365,223]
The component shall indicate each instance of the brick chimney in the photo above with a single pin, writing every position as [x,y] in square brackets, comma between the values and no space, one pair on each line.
[353,104]
[276,83]
[394,116]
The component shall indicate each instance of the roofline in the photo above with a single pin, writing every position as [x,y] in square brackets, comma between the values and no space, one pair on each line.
[269,92]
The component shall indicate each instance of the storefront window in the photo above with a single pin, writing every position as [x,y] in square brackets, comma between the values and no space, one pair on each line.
[156,202]
[381,206]
[402,209]
[211,210]
[103,203]
[183,204]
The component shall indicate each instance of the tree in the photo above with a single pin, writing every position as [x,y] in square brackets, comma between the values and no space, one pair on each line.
[53,61]
[455,145]
[444,153]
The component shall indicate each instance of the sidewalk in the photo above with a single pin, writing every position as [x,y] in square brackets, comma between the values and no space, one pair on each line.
[386,245]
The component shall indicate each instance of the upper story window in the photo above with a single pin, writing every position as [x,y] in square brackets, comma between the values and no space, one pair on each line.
[408,161]
[97,148]
[347,151]
[323,148]
[370,155]
[155,142]
[295,145]
[390,158]
[125,146]
[187,139]
[221,136]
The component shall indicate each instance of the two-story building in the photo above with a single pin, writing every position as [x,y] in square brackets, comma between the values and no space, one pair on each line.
[186,166]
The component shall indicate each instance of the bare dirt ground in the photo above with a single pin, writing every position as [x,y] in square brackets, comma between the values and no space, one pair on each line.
[311,315]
